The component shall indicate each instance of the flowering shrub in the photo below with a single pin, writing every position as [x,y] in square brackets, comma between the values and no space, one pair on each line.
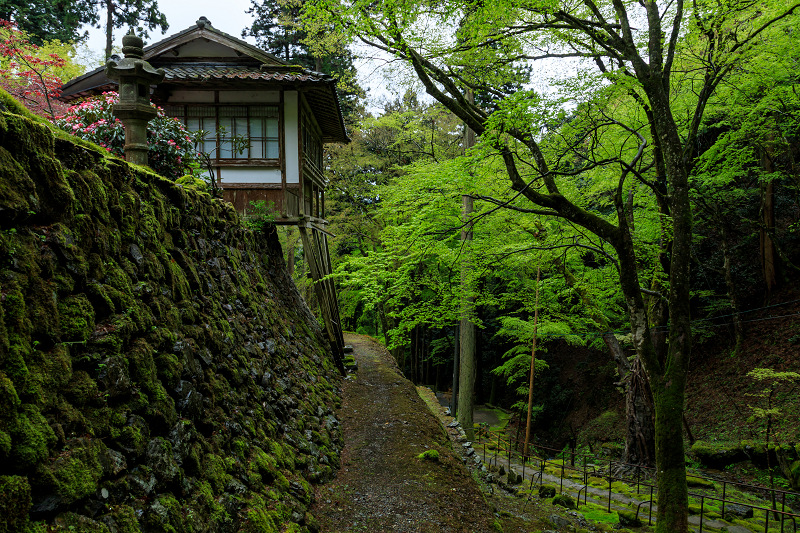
[171,146]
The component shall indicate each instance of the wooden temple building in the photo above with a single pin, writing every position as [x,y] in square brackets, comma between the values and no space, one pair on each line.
[227,87]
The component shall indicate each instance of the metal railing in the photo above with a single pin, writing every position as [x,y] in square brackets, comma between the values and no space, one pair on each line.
[644,477]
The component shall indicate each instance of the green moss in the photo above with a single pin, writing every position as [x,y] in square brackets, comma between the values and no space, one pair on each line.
[213,510]
[31,437]
[124,518]
[166,516]
[9,401]
[75,473]
[82,389]
[694,481]
[76,522]
[629,519]
[215,471]
[131,438]
[76,316]
[259,519]
[142,366]
[15,502]
[564,500]
[169,369]
[429,455]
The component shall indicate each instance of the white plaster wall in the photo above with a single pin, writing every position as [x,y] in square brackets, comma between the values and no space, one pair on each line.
[290,118]
[249,175]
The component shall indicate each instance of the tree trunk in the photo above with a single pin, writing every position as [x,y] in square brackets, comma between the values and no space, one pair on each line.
[467,363]
[738,328]
[384,321]
[466,382]
[639,427]
[109,27]
[768,266]
[456,368]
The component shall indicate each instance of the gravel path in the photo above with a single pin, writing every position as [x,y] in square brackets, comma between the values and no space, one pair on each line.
[382,485]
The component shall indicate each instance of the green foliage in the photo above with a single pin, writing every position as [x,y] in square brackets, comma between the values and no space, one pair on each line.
[260,216]
[770,410]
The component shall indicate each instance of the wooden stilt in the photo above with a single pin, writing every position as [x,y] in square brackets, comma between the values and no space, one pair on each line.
[315,247]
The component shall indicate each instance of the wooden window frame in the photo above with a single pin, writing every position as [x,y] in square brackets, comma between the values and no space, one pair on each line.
[235,161]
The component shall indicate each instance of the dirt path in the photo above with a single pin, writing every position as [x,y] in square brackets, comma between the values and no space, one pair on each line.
[382,485]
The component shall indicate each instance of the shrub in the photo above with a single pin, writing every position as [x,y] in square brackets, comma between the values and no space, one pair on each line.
[171,146]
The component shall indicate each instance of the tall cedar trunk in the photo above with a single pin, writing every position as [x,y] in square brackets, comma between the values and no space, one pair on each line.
[456,368]
[384,322]
[109,26]
[767,225]
[467,356]
[466,381]
[738,328]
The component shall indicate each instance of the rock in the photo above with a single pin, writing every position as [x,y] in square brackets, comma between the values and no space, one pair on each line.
[715,455]
[114,377]
[269,345]
[453,424]
[136,254]
[142,482]
[699,482]
[737,511]
[629,519]
[161,461]
[513,477]
[47,505]
[235,486]
[564,500]
[470,452]
[559,521]
[114,463]
[76,522]
[547,491]
[347,349]
[190,402]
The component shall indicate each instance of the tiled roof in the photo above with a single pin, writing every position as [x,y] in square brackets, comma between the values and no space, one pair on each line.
[209,72]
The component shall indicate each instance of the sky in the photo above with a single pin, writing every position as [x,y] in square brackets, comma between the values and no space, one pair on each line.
[226,15]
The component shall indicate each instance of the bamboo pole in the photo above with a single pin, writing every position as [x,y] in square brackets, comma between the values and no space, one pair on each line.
[533,361]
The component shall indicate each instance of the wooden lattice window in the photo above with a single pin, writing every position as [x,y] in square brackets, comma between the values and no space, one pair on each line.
[257,123]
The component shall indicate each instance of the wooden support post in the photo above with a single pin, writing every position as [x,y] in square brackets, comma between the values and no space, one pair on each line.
[316,252]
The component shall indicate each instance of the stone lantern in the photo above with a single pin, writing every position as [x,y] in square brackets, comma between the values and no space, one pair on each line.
[134,76]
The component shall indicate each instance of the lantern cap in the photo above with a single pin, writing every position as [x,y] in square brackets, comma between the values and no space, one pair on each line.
[133,46]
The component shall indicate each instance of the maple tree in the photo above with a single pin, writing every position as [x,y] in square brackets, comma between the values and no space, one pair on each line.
[28,73]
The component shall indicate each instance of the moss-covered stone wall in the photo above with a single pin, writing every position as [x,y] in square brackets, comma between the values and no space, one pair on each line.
[158,369]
